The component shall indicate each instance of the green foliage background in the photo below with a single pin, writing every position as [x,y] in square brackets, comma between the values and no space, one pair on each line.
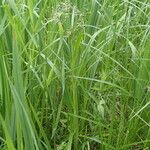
[74,74]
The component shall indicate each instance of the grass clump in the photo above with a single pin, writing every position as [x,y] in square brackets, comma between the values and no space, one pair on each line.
[74,75]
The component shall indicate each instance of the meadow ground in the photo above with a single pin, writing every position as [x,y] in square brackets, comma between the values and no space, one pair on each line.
[74,74]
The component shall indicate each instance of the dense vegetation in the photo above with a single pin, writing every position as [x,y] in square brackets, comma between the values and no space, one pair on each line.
[74,74]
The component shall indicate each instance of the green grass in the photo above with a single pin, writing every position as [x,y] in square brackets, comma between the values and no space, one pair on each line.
[74,74]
